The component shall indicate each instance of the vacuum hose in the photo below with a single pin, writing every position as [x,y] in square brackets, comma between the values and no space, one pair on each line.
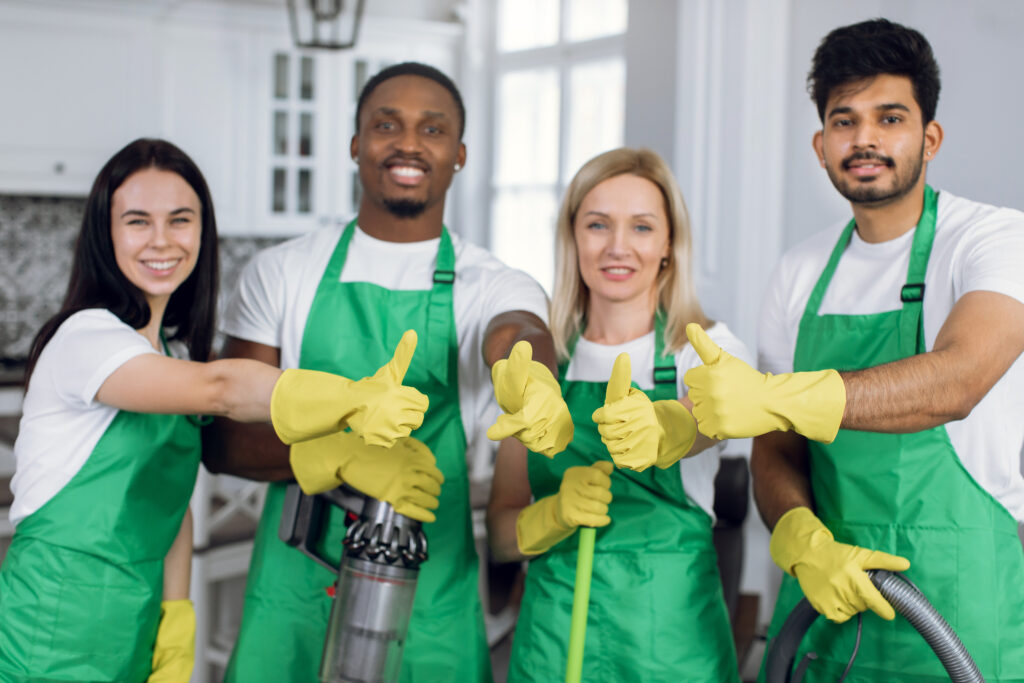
[905,599]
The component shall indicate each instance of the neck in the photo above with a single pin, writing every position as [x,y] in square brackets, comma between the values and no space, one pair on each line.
[617,322]
[376,221]
[156,321]
[887,222]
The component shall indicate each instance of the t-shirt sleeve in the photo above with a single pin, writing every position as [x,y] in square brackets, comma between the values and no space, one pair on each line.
[991,257]
[256,307]
[509,289]
[87,349]
[775,342]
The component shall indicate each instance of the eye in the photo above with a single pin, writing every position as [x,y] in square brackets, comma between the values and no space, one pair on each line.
[137,221]
[181,220]
[432,130]
[642,227]
[596,225]
[841,123]
[892,118]
[385,125]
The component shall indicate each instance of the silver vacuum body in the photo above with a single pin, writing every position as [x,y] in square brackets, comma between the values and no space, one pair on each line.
[376,584]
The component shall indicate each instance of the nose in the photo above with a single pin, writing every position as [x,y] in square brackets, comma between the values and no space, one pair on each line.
[409,141]
[158,236]
[618,244]
[865,136]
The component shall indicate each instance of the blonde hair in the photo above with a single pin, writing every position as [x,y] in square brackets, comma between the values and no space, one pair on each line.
[676,295]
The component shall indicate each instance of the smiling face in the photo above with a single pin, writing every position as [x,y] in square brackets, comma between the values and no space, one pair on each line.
[155,225]
[622,233]
[408,146]
[874,143]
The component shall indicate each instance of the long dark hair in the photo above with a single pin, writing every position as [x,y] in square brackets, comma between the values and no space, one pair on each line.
[97,282]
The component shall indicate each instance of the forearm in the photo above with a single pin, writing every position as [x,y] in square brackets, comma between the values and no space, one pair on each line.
[252,451]
[241,389]
[501,533]
[506,329]
[178,562]
[779,468]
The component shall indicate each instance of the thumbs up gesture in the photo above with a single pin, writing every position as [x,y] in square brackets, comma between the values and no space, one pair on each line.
[534,410]
[307,404]
[733,400]
[637,431]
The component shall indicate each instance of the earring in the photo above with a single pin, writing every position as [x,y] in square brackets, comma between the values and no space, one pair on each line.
[458,167]
[664,262]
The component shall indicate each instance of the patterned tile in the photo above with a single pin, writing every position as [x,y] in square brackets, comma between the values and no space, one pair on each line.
[36,238]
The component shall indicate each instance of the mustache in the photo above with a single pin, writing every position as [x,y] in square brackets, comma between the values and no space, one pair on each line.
[406,159]
[868,156]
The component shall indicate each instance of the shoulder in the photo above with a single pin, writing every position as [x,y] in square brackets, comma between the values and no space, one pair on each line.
[91,321]
[959,217]
[811,253]
[297,252]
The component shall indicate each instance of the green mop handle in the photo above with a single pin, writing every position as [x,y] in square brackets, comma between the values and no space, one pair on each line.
[580,603]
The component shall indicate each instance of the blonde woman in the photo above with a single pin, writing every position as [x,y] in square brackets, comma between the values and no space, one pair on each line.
[623,287]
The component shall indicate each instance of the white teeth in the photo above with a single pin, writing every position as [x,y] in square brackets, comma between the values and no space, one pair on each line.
[160,265]
[618,271]
[406,171]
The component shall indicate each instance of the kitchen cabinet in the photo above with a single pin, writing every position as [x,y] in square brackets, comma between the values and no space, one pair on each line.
[268,124]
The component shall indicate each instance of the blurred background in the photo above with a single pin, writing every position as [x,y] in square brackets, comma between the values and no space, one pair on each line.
[717,87]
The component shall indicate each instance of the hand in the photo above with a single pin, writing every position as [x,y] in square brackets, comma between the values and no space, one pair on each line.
[733,400]
[832,575]
[404,475]
[639,432]
[582,500]
[174,652]
[307,404]
[529,395]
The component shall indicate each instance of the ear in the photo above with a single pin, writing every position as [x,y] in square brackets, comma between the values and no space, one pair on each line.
[460,156]
[353,148]
[933,135]
[818,143]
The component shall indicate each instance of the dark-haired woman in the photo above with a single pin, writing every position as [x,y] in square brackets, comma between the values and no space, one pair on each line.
[107,450]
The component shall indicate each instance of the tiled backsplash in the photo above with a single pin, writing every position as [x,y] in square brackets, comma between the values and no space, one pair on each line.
[36,238]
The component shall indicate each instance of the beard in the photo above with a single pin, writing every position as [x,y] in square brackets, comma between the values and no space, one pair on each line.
[404,208]
[870,192]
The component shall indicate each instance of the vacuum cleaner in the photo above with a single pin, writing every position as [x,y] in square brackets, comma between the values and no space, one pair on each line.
[908,601]
[376,584]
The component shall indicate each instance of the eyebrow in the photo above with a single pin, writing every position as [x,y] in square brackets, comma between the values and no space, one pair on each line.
[391,111]
[881,107]
[645,214]
[145,214]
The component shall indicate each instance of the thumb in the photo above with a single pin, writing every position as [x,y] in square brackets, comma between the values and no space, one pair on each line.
[708,350]
[396,368]
[879,560]
[505,426]
[605,466]
[618,383]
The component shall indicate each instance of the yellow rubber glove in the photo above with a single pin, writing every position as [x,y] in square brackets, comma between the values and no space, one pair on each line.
[582,500]
[535,412]
[174,652]
[832,575]
[638,432]
[404,475]
[306,404]
[733,400]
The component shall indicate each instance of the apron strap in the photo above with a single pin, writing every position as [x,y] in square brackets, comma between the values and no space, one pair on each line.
[912,293]
[440,316]
[665,386]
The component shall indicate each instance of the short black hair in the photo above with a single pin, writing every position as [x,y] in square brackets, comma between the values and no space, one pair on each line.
[412,69]
[96,281]
[868,49]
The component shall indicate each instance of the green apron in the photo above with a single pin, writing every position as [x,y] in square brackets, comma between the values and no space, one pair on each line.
[81,585]
[656,608]
[909,495]
[352,329]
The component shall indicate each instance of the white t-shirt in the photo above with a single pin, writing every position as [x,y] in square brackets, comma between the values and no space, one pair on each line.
[271,303]
[61,421]
[976,247]
[592,362]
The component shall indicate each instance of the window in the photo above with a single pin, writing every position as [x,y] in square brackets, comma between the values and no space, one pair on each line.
[559,99]
[293,146]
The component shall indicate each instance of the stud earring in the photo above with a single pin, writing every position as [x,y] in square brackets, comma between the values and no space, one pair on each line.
[664,262]
[458,167]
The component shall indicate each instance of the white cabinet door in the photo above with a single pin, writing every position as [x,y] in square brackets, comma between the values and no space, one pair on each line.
[76,87]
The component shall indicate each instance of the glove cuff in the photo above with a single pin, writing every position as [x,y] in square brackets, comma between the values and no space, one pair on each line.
[680,432]
[316,464]
[297,404]
[538,528]
[793,536]
[815,402]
